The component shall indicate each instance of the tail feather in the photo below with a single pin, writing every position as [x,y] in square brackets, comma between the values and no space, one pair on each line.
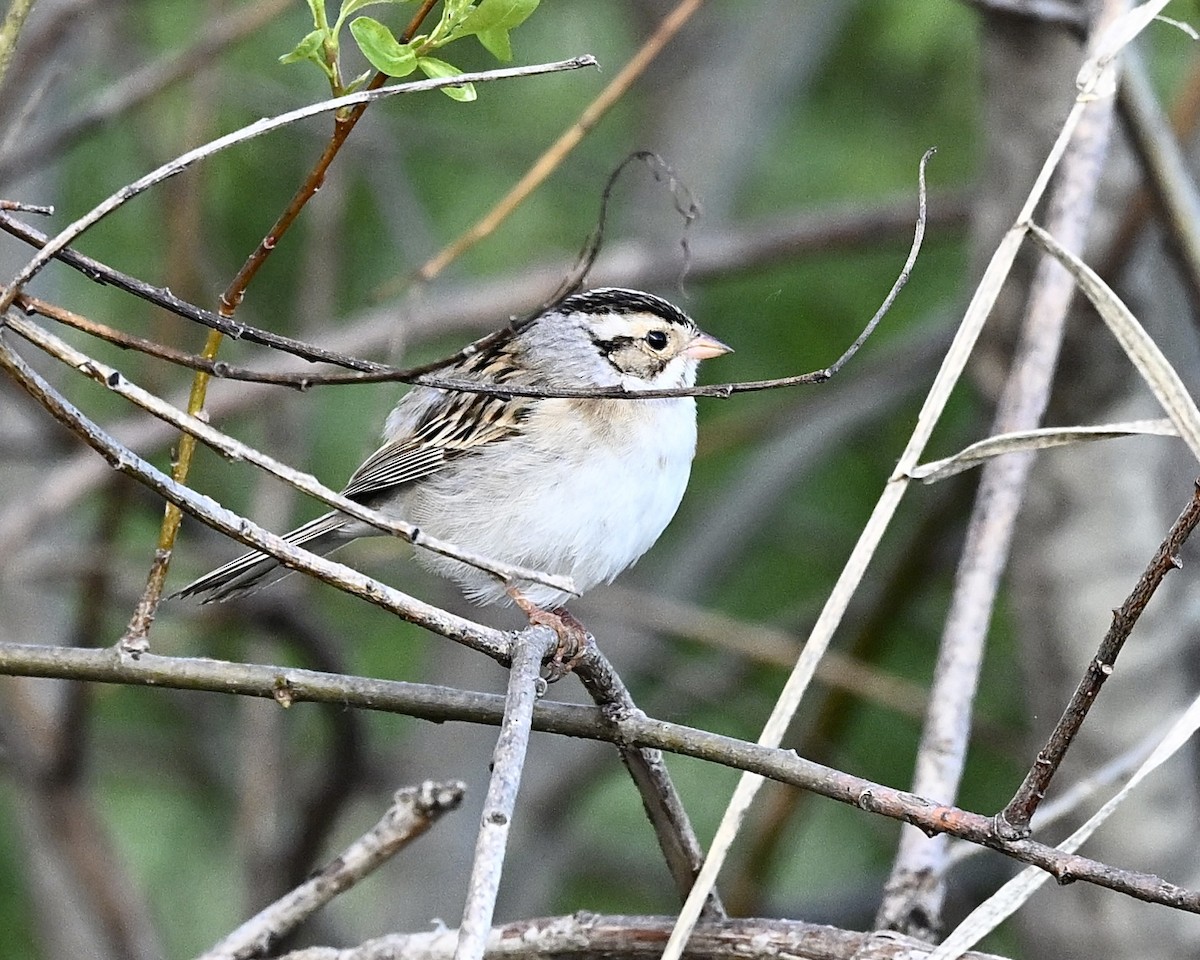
[252,571]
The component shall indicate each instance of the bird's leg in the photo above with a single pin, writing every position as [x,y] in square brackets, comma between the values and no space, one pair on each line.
[573,637]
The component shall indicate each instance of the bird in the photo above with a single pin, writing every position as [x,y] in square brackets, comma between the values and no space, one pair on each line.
[575,486]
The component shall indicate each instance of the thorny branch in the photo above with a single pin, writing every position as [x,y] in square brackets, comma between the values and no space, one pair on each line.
[1013,821]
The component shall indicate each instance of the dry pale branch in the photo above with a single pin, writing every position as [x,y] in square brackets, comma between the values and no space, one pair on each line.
[413,811]
[916,887]
[508,763]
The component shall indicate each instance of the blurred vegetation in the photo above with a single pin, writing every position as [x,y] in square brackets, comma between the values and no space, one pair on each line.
[898,77]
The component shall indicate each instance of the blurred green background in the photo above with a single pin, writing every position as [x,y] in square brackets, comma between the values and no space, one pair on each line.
[801,121]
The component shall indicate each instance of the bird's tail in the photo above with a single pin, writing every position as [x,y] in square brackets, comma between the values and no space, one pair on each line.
[252,571]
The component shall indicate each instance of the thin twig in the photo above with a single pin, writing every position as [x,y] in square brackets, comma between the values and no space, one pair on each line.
[486,640]
[508,762]
[413,811]
[1080,792]
[851,575]
[549,161]
[257,129]
[291,686]
[660,799]
[1013,820]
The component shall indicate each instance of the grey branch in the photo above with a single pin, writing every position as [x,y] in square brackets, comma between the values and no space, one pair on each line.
[413,811]
[586,936]
[291,686]
[115,381]
[257,129]
[486,640]
[508,763]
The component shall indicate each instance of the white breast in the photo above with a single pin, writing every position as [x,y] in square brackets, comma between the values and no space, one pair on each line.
[585,491]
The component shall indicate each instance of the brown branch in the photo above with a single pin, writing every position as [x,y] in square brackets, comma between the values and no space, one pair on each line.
[549,161]
[1013,821]
[661,801]
[439,704]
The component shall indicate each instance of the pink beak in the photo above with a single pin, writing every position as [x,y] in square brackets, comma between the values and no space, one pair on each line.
[704,347]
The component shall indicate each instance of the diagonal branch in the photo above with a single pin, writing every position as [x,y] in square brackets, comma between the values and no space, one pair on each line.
[493,643]
[661,800]
[413,811]
[1013,821]
[915,890]
[236,450]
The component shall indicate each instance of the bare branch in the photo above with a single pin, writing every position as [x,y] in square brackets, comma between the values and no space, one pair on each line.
[290,686]
[1013,820]
[257,129]
[413,811]
[661,801]
[508,762]
[236,450]
[589,936]
[916,887]
[493,643]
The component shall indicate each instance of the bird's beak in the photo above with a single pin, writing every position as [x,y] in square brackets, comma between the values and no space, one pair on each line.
[704,347]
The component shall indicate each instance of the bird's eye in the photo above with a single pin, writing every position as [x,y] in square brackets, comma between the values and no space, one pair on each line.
[656,339]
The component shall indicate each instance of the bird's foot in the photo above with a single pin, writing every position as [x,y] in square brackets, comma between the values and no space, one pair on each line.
[573,638]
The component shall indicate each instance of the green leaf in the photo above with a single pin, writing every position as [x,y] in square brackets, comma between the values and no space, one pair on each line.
[307,49]
[496,43]
[384,52]
[496,15]
[350,6]
[432,67]
[317,9]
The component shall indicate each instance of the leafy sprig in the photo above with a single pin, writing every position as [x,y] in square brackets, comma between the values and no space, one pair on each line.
[489,21]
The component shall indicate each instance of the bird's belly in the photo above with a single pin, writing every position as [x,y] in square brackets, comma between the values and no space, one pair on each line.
[526,504]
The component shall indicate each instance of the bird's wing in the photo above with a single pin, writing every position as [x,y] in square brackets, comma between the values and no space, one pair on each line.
[465,423]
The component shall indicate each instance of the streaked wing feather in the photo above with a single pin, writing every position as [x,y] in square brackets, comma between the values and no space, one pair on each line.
[464,424]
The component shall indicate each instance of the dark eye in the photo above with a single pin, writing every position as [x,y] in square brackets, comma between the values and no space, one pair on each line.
[656,339]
